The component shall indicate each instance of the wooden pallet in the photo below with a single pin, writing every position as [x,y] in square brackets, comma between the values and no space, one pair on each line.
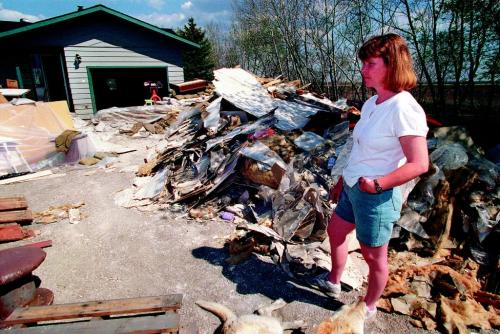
[132,315]
[14,210]
[13,203]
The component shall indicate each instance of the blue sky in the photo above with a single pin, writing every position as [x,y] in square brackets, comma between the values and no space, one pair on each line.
[163,13]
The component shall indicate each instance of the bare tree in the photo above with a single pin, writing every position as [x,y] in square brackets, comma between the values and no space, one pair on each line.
[316,41]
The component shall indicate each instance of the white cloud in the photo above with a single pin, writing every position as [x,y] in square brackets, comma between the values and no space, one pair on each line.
[14,15]
[163,20]
[220,16]
[156,4]
[187,5]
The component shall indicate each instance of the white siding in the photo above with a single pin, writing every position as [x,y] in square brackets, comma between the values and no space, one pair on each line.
[175,74]
[97,53]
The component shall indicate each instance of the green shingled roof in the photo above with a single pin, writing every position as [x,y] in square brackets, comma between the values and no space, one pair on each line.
[90,10]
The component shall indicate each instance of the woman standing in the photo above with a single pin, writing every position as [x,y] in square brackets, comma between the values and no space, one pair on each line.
[389,149]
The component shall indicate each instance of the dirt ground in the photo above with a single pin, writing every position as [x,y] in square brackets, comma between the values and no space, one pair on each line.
[116,252]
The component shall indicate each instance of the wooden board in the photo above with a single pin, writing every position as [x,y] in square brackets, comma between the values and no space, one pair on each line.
[94,309]
[26,177]
[164,323]
[16,216]
[11,233]
[40,244]
[13,203]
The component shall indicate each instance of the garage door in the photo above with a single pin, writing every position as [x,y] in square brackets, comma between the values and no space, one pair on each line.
[124,87]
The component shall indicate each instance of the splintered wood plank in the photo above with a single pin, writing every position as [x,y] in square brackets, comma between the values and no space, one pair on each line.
[164,323]
[40,244]
[11,233]
[94,309]
[16,216]
[26,177]
[13,203]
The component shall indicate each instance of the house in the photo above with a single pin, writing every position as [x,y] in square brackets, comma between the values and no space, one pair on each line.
[94,58]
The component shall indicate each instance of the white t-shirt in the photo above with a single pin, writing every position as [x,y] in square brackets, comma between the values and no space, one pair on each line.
[376,149]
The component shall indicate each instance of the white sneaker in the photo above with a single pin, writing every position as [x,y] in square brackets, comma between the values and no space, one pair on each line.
[370,314]
[322,283]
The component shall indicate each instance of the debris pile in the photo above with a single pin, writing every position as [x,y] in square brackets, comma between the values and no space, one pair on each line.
[65,212]
[263,153]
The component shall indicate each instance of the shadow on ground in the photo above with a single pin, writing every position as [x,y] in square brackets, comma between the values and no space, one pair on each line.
[255,276]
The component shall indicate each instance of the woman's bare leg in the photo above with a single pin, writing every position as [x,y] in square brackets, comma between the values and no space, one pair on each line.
[376,258]
[338,229]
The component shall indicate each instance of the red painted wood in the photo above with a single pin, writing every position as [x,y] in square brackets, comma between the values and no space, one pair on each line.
[11,233]
[41,244]
[190,85]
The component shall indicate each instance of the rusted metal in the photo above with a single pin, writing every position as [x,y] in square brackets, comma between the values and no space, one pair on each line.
[18,287]
[19,262]
[43,297]
[17,293]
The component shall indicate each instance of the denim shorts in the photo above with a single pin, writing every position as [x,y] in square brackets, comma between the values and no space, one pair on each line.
[373,214]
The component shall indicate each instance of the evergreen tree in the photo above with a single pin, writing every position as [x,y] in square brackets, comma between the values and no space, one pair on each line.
[198,63]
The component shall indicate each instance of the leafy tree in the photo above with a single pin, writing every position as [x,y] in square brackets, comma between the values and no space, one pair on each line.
[198,63]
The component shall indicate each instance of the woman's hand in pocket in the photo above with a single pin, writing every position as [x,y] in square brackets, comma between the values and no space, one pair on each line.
[367,185]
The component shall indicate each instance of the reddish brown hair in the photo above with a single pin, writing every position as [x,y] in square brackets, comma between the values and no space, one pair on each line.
[394,51]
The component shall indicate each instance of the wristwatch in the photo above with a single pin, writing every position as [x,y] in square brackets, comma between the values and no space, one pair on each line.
[378,188]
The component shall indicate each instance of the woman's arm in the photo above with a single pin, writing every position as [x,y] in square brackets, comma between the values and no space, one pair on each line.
[336,190]
[417,163]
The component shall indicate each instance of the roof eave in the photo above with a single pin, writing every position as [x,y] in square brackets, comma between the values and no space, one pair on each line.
[90,10]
